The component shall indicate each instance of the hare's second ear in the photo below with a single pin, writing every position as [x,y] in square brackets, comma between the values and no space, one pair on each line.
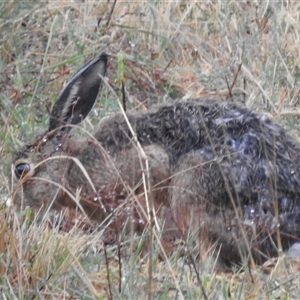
[79,95]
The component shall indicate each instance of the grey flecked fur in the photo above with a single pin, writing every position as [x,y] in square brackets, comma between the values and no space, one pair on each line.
[221,168]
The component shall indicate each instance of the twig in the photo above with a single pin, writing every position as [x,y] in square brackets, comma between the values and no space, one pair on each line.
[107,272]
[233,82]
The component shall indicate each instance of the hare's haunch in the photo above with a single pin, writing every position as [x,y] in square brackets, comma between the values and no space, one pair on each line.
[220,168]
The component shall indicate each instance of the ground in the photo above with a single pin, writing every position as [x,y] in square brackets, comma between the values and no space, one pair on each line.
[243,51]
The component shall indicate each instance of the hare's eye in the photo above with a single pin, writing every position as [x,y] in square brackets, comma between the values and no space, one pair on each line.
[21,170]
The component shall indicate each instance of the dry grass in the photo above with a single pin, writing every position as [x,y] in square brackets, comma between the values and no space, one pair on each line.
[238,50]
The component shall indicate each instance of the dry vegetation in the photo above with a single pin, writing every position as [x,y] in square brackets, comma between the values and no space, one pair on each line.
[235,50]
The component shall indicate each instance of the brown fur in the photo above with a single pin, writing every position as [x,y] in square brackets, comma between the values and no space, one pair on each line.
[219,168]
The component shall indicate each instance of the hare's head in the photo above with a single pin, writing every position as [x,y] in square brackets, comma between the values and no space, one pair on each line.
[42,170]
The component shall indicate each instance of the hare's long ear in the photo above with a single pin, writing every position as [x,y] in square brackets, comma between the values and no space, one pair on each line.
[79,95]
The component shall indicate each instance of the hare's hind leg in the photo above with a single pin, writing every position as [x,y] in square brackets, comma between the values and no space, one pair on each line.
[201,202]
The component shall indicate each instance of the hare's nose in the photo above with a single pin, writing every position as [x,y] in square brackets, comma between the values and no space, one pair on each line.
[22,169]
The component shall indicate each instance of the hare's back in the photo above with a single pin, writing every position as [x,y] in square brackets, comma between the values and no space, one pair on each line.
[225,127]
[251,149]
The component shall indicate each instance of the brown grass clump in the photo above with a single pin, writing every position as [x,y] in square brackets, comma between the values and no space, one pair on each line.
[242,51]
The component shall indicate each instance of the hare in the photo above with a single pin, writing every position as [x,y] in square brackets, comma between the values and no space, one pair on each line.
[224,171]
